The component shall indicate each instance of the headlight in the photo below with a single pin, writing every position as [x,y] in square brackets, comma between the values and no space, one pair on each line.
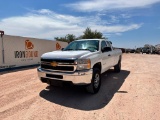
[83,64]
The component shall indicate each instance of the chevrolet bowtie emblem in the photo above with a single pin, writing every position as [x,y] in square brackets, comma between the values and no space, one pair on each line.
[54,64]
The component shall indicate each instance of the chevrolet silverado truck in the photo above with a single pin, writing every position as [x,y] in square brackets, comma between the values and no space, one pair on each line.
[82,62]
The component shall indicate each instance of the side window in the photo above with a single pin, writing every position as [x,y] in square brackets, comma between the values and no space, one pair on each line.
[108,44]
[103,44]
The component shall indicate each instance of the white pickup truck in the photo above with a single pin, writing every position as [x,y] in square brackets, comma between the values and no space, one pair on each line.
[82,62]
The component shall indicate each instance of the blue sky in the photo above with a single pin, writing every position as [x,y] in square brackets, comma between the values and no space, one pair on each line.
[125,23]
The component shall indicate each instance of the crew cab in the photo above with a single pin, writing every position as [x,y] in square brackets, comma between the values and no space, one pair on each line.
[82,62]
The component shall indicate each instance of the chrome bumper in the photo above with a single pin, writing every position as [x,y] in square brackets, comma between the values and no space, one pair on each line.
[78,77]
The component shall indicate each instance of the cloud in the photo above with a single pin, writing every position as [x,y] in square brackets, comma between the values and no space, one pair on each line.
[48,24]
[117,28]
[101,5]
[119,34]
[125,16]
[114,19]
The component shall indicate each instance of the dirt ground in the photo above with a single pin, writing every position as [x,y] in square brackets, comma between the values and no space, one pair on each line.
[132,94]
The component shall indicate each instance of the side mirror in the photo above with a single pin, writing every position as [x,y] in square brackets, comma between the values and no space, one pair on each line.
[106,49]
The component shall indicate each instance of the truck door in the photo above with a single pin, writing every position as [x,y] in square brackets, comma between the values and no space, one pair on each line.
[114,57]
[106,58]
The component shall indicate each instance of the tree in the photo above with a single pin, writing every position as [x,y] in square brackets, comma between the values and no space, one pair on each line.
[60,39]
[89,34]
[68,38]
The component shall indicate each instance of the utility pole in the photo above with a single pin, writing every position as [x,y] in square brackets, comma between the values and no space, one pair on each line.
[1,35]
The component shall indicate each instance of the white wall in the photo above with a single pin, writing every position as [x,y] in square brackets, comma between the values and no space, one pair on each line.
[16,54]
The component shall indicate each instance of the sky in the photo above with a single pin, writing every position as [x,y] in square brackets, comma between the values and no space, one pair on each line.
[126,23]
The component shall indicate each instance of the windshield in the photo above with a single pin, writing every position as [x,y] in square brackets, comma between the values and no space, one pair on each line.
[91,45]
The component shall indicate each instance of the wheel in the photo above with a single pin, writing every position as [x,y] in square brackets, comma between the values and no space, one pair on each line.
[117,68]
[95,83]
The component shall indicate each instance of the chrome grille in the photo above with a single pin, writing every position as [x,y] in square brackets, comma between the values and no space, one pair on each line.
[61,65]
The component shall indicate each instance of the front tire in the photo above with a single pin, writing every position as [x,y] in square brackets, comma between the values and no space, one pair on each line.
[95,83]
[117,68]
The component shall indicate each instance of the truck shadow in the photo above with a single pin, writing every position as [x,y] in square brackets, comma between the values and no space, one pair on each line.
[76,97]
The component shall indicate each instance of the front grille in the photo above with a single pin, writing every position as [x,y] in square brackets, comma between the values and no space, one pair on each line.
[58,68]
[59,61]
[62,65]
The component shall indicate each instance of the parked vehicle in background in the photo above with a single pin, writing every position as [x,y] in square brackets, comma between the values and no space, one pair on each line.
[128,50]
[138,50]
[157,51]
[132,51]
[149,50]
[146,50]
[81,63]
[152,50]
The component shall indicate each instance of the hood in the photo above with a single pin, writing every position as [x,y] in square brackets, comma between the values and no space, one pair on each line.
[64,54]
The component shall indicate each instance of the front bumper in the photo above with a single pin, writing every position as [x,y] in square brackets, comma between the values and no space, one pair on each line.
[78,77]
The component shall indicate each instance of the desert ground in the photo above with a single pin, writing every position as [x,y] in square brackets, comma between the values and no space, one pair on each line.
[132,94]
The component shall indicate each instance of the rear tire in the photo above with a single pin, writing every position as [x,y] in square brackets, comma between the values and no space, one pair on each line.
[95,83]
[117,68]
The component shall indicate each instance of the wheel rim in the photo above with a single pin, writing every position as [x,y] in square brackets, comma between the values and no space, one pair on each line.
[96,80]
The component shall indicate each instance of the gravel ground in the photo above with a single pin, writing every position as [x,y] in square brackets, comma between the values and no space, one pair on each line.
[134,93]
